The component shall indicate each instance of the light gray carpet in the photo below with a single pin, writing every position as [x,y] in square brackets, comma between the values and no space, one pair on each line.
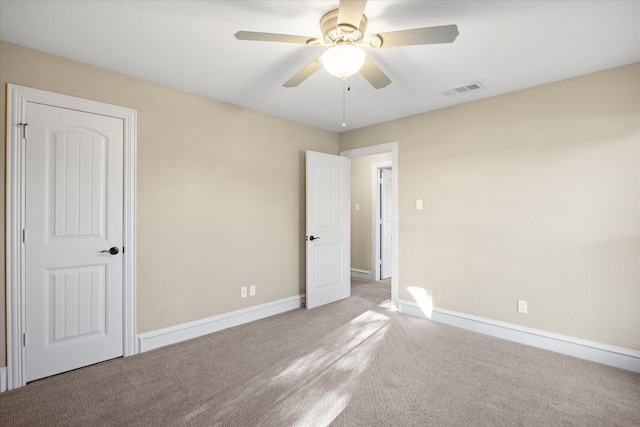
[350,363]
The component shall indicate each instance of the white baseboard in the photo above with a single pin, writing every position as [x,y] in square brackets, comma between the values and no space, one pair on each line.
[175,334]
[589,350]
[361,274]
[3,379]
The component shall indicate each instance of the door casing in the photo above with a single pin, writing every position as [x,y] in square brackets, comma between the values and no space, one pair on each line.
[17,98]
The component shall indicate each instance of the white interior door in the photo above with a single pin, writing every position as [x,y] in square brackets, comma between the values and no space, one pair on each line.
[328,228]
[386,211]
[73,214]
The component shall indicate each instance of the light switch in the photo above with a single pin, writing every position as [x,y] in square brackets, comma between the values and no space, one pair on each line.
[357,206]
[418,204]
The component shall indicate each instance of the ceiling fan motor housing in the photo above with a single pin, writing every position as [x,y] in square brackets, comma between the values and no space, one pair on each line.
[334,32]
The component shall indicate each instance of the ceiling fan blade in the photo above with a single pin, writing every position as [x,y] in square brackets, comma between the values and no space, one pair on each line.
[271,37]
[351,11]
[428,35]
[374,75]
[303,74]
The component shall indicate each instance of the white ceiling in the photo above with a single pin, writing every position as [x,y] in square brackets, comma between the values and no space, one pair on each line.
[505,45]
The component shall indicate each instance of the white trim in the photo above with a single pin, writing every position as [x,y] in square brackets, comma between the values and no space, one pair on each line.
[589,350]
[17,98]
[361,274]
[186,331]
[3,379]
[376,149]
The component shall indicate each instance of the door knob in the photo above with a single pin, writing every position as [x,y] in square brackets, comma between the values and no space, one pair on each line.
[112,251]
[313,238]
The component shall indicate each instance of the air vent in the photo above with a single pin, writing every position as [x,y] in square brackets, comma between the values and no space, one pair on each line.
[464,89]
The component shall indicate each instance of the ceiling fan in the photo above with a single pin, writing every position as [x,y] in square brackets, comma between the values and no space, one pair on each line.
[343,30]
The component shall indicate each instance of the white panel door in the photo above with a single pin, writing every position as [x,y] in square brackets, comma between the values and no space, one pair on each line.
[386,210]
[74,215]
[328,228]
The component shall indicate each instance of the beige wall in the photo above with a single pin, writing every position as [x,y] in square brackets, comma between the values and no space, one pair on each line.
[532,195]
[220,191]
[361,219]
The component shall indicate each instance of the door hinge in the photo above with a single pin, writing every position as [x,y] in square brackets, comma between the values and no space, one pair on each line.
[123,249]
[24,129]
[24,235]
[24,340]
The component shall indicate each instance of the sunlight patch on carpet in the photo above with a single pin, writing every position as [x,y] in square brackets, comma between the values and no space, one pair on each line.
[329,375]
[312,389]
[386,304]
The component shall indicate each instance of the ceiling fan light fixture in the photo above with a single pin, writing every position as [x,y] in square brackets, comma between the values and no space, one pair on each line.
[343,60]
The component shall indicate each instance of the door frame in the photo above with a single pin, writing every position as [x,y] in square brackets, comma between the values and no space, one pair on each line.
[17,98]
[377,149]
[376,205]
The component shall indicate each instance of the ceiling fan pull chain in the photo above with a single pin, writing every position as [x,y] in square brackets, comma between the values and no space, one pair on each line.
[344,102]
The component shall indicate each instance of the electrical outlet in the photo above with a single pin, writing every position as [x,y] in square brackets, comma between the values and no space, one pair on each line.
[243,292]
[522,307]
[252,290]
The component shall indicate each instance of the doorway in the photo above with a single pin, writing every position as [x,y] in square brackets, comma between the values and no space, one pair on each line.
[71,299]
[382,234]
[392,149]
